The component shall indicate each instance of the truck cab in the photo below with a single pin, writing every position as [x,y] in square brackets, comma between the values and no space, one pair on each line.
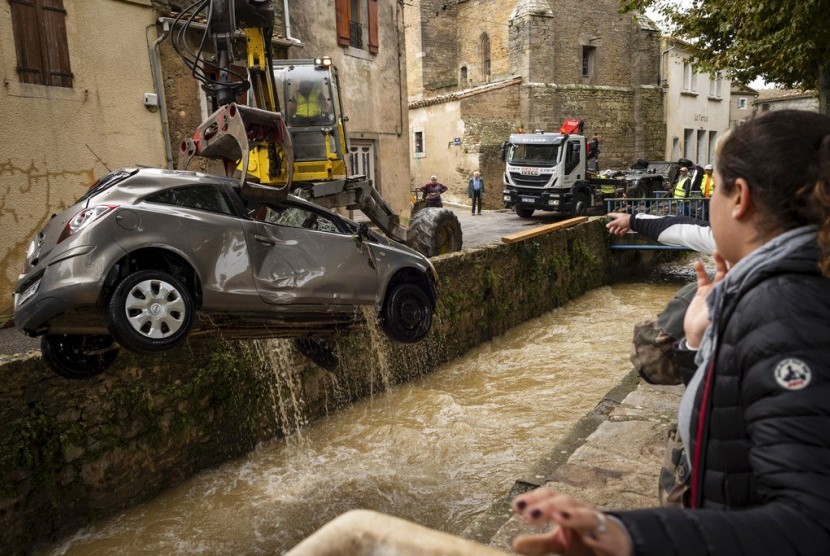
[546,171]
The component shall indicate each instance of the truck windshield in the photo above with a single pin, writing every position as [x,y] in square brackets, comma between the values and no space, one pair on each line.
[533,154]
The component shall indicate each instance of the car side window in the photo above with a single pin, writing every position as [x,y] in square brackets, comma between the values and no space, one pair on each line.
[294,217]
[200,197]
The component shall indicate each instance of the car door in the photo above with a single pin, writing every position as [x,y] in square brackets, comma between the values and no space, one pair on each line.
[307,257]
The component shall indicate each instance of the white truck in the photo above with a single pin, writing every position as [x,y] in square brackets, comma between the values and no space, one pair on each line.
[548,171]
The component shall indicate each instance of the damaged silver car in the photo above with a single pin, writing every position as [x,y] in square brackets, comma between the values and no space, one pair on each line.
[148,256]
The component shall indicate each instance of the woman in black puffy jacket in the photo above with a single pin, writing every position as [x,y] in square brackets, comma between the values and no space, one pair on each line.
[755,418]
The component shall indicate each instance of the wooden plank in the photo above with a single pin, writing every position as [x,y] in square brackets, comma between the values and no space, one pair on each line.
[541,230]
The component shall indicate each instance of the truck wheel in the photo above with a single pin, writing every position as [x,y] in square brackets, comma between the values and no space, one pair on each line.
[523,212]
[580,204]
[78,355]
[434,231]
[150,311]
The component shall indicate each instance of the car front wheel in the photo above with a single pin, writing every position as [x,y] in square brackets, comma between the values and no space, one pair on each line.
[407,313]
[78,355]
[150,311]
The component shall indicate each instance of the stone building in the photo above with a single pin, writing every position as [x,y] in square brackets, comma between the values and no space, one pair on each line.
[77,74]
[481,69]
[740,107]
[696,104]
[785,99]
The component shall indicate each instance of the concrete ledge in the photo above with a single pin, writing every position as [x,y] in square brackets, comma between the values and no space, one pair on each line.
[368,533]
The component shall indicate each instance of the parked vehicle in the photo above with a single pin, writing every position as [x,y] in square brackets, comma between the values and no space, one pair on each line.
[548,171]
[146,256]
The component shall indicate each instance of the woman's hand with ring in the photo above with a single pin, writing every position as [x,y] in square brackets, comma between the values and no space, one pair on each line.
[581,530]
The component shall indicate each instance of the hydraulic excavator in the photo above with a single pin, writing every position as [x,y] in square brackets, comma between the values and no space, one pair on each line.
[259,130]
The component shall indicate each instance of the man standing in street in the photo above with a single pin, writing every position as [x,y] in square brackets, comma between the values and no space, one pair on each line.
[707,187]
[432,192]
[682,191]
[475,190]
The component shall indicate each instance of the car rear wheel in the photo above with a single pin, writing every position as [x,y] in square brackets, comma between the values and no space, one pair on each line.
[407,313]
[78,355]
[150,311]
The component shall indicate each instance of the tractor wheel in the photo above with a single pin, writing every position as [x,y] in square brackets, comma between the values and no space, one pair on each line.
[523,212]
[434,231]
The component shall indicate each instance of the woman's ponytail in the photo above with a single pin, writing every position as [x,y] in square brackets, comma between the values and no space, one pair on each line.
[821,199]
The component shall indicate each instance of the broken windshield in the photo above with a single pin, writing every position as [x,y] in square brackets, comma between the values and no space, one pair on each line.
[530,155]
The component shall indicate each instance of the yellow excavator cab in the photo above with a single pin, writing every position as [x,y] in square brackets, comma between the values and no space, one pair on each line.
[309,94]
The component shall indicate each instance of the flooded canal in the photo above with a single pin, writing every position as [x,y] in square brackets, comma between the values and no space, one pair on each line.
[437,451]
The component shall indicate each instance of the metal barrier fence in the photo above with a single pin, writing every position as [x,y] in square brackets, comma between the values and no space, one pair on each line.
[661,205]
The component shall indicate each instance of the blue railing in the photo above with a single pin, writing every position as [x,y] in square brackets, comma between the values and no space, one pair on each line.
[660,205]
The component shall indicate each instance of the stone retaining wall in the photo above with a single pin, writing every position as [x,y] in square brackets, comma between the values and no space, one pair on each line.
[74,451]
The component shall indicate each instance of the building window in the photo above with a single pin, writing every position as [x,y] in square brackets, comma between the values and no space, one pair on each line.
[715,84]
[689,78]
[765,107]
[588,56]
[419,144]
[742,103]
[462,77]
[357,24]
[689,144]
[485,56]
[40,40]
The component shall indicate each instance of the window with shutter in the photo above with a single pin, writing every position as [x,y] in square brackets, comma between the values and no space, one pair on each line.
[40,41]
[357,24]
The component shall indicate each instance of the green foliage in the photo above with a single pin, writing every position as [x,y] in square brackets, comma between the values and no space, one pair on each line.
[782,41]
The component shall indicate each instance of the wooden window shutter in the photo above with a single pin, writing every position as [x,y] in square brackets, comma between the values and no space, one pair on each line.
[27,42]
[57,49]
[374,43]
[342,11]
[40,41]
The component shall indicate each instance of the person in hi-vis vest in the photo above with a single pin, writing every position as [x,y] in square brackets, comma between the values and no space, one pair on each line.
[707,187]
[308,104]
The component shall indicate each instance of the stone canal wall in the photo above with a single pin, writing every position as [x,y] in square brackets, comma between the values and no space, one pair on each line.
[73,451]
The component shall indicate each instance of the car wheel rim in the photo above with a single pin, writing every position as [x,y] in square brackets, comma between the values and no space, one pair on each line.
[155,309]
[411,313]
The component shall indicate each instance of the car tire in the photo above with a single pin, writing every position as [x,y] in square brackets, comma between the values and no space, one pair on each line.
[434,231]
[406,316]
[150,311]
[78,356]
[580,204]
[524,212]
[318,351]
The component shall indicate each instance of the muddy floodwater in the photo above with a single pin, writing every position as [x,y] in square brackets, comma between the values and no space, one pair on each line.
[438,451]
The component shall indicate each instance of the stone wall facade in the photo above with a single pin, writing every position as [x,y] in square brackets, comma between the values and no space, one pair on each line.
[59,140]
[74,451]
[575,59]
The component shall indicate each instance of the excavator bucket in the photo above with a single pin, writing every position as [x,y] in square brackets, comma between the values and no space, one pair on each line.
[232,131]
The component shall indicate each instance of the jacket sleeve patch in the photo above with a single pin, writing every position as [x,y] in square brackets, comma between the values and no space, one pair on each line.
[793,374]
